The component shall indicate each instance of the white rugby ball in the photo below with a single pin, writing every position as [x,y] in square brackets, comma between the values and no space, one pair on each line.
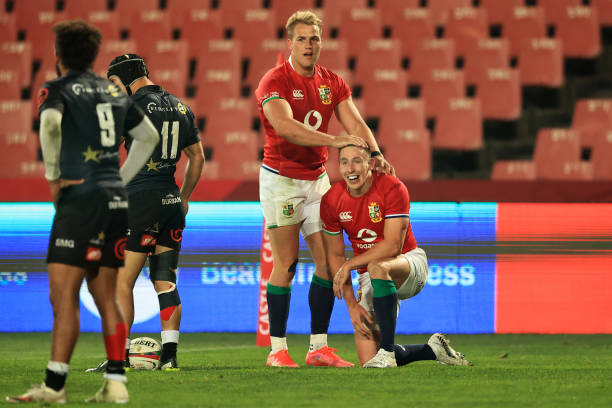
[144,353]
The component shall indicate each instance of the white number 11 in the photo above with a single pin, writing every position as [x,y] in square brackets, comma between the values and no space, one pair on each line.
[175,134]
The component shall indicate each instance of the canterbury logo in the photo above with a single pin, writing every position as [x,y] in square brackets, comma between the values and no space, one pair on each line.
[345,216]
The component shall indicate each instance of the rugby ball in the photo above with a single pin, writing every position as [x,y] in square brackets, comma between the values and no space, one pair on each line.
[144,353]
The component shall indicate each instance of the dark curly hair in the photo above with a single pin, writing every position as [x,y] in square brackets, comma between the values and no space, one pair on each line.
[77,44]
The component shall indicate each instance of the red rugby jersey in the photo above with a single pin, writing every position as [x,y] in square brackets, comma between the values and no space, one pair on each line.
[363,218]
[312,101]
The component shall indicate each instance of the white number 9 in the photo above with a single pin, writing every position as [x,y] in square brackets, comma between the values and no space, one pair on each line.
[107,124]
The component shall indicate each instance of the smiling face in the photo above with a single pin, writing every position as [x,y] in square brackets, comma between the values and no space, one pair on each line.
[356,169]
[305,48]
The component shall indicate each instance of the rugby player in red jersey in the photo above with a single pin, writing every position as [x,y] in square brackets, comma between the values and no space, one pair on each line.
[373,210]
[296,101]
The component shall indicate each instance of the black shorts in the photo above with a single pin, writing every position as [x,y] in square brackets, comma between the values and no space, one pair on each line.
[155,217]
[89,230]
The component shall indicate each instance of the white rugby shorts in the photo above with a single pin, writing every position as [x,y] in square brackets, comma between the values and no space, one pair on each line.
[286,201]
[411,286]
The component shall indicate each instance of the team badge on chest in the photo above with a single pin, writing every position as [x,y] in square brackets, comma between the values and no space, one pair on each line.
[325,94]
[288,209]
[374,211]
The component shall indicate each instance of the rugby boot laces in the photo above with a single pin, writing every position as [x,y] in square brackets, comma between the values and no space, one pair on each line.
[326,357]
[280,359]
[445,354]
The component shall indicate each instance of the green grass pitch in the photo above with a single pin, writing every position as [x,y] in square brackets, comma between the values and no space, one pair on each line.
[227,370]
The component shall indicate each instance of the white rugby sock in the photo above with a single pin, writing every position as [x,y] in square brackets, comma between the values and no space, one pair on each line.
[170,336]
[317,341]
[58,367]
[278,344]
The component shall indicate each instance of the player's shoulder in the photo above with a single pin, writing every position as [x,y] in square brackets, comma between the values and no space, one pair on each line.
[278,73]
[389,182]
[325,72]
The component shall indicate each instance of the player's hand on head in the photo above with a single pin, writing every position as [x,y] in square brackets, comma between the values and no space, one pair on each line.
[344,140]
[382,166]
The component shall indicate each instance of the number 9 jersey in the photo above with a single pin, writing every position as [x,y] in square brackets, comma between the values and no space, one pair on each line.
[95,114]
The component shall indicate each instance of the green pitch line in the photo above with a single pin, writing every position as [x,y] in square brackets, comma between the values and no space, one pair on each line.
[227,370]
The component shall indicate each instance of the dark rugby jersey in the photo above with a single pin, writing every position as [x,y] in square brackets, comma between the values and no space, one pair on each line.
[95,114]
[175,123]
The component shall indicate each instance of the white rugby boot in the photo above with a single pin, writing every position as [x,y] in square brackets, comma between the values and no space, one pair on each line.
[112,391]
[445,354]
[382,359]
[41,393]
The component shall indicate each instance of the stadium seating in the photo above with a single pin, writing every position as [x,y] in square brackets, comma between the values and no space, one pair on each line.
[37,26]
[17,57]
[404,113]
[10,83]
[485,54]
[441,9]
[578,19]
[357,26]
[149,26]
[556,8]
[601,156]
[465,26]
[168,64]
[217,72]
[591,118]
[18,154]
[556,152]
[334,55]
[16,116]
[541,62]
[459,125]
[499,11]
[377,54]
[107,22]
[513,170]
[333,10]
[8,27]
[81,9]
[411,26]
[285,8]
[127,9]
[265,59]
[500,94]
[23,8]
[199,27]
[442,85]
[524,23]
[332,166]
[237,157]
[252,28]
[381,88]
[409,151]
[227,115]
[177,8]
[430,55]
[232,11]
[108,51]
[604,10]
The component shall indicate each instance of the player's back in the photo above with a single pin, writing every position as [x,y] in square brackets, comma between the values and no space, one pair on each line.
[175,123]
[95,113]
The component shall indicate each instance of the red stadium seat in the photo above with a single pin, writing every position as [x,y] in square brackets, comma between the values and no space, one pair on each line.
[18,154]
[431,54]
[168,63]
[150,26]
[38,31]
[199,27]
[411,27]
[499,11]
[17,56]
[508,170]
[442,85]
[8,27]
[334,55]
[335,128]
[283,9]
[459,125]
[591,118]
[390,9]
[601,156]
[10,83]
[265,59]
[217,73]
[604,10]
[81,9]
[227,115]
[252,28]
[553,149]
[377,54]
[381,88]
[555,8]
[541,62]
[334,10]
[357,26]
[127,9]
[16,116]
[107,22]
[23,8]
[486,54]
[405,113]
[466,25]
[441,9]
[524,23]
[332,166]
[178,8]
[583,20]
[232,11]
[237,156]
[409,151]
[500,94]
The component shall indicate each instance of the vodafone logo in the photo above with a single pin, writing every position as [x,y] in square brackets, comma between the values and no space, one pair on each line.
[367,235]
[318,118]
[345,216]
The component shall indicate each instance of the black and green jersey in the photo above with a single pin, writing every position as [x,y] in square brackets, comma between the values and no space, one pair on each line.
[95,114]
[175,123]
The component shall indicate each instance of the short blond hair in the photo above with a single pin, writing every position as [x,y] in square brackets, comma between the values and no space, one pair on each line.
[303,17]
